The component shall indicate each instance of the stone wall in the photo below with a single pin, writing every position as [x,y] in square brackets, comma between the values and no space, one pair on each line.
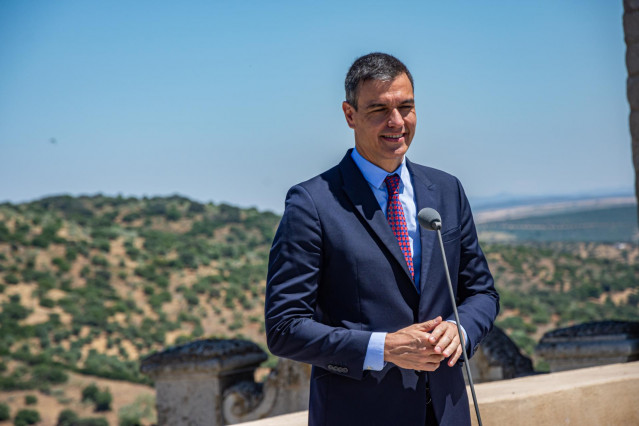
[587,397]
[212,382]
[590,344]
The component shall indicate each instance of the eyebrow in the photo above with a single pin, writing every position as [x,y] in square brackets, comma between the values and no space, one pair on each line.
[410,101]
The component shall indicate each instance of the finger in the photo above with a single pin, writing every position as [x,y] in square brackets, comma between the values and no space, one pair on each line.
[435,358]
[421,363]
[437,333]
[451,347]
[430,324]
[452,361]
[444,341]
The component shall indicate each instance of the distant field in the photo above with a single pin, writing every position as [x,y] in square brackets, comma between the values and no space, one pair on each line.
[612,224]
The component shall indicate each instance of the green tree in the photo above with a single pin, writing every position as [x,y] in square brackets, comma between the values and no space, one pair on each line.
[93,421]
[103,400]
[5,413]
[26,417]
[67,418]
[49,374]
[90,392]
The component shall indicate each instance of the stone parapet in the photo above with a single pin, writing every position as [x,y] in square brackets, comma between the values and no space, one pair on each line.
[590,344]
[587,397]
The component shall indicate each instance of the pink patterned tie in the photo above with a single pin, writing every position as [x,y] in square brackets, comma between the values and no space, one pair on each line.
[397,220]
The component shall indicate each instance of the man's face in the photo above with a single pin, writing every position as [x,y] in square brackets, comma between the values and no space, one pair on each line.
[384,122]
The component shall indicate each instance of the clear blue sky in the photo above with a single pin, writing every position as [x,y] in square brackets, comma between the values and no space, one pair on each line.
[235,102]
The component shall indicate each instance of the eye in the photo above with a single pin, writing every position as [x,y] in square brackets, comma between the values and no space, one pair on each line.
[377,112]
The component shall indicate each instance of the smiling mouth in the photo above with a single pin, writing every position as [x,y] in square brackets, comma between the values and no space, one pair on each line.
[393,137]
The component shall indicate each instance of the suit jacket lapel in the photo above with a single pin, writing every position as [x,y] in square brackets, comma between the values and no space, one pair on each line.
[424,197]
[360,194]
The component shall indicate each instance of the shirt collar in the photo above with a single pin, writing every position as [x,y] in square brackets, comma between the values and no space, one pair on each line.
[375,175]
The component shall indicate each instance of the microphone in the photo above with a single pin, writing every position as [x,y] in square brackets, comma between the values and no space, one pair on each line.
[431,220]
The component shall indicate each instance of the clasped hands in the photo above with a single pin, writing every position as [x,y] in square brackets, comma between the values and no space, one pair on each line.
[423,346]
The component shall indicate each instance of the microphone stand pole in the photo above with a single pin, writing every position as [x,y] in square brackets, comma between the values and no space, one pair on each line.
[459,330]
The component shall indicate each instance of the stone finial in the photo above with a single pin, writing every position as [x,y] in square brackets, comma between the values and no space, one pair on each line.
[285,390]
[499,358]
[590,344]
[211,382]
[209,354]
[190,379]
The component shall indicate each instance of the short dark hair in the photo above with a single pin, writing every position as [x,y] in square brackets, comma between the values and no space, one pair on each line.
[374,66]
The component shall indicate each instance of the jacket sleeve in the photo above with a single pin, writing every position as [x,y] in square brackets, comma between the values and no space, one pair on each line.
[478,301]
[294,276]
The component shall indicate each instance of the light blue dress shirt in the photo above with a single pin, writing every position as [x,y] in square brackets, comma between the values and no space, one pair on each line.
[375,176]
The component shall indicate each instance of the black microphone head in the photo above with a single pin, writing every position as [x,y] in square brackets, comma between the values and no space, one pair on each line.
[430,219]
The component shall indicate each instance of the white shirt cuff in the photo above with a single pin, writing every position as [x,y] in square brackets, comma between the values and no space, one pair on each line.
[374,359]
[463,331]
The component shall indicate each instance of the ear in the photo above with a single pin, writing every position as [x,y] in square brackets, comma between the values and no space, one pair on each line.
[349,112]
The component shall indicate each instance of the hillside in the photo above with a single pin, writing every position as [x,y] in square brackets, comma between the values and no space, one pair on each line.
[88,285]
[91,284]
[562,222]
[550,285]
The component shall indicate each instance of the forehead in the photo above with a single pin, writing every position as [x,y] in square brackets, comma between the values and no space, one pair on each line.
[385,91]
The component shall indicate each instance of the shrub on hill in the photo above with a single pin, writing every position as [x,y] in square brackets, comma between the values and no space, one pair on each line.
[5,412]
[49,374]
[67,417]
[111,367]
[173,214]
[13,311]
[5,234]
[26,417]
[48,235]
[47,303]
[91,421]
[100,261]
[103,400]
[155,208]
[11,278]
[71,207]
[90,392]
[132,414]
[156,300]
[62,264]
[195,207]
[20,233]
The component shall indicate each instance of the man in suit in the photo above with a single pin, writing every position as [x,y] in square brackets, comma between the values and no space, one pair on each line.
[358,290]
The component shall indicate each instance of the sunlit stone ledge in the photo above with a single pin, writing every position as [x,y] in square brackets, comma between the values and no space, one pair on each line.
[605,395]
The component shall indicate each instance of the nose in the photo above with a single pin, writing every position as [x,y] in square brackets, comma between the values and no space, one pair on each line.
[395,119]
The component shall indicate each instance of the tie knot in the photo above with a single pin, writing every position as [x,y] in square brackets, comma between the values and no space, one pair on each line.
[392,183]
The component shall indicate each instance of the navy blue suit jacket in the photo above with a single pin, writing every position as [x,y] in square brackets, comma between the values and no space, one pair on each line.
[336,274]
